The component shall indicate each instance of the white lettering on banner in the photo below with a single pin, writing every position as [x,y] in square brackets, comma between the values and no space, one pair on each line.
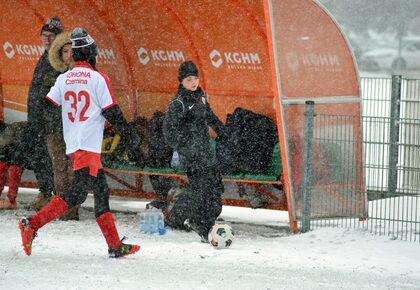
[245,58]
[106,53]
[106,56]
[313,61]
[255,58]
[236,60]
[236,57]
[165,64]
[24,52]
[167,55]
[29,49]
[160,57]
[171,56]
[292,61]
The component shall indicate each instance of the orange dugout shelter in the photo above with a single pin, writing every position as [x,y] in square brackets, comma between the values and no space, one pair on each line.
[266,56]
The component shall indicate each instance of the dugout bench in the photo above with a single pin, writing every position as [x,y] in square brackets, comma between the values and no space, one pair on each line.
[270,184]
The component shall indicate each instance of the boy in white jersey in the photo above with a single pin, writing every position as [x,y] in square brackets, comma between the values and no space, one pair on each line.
[86,99]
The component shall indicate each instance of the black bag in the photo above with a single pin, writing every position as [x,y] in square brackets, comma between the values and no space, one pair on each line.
[160,153]
[124,152]
[249,144]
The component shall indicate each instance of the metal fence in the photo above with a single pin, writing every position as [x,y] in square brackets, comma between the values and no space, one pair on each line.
[380,193]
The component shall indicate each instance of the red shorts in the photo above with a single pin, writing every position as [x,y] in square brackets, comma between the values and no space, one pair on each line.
[82,159]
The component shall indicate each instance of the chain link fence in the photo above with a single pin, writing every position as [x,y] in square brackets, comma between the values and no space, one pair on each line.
[373,183]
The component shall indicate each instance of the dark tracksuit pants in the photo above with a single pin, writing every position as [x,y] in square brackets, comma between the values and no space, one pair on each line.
[42,166]
[82,184]
[201,202]
[206,190]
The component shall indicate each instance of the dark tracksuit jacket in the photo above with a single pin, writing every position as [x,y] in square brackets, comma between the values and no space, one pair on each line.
[38,108]
[186,130]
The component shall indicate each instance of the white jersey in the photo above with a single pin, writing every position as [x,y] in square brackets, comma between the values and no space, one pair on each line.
[83,93]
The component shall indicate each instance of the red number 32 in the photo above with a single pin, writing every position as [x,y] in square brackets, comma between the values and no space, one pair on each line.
[71,96]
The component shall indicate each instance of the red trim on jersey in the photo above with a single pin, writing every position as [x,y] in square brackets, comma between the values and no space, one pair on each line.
[82,159]
[52,101]
[83,63]
[107,107]
[108,84]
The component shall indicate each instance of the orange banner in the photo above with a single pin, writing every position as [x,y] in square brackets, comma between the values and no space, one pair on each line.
[144,47]
[314,59]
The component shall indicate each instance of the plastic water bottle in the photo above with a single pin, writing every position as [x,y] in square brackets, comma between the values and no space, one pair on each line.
[175,160]
[161,223]
[152,222]
[144,226]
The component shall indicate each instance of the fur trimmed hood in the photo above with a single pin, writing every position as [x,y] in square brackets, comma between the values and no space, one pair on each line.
[54,52]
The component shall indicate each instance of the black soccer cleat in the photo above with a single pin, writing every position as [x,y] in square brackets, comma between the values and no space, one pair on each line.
[123,250]
[201,231]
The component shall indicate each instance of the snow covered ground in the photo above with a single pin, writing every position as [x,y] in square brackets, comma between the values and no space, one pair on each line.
[73,255]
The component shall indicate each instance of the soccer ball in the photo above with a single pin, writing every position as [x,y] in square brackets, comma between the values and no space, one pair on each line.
[221,236]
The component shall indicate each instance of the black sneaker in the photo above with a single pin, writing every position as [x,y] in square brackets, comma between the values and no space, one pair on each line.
[201,231]
[158,203]
[123,250]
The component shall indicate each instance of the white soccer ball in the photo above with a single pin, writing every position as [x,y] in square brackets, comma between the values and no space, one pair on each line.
[221,236]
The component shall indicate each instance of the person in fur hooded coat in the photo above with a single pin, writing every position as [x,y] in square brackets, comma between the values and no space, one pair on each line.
[60,57]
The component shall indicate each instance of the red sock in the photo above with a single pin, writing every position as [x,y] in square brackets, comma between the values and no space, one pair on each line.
[3,172]
[15,173]
[109,230]
[52,210]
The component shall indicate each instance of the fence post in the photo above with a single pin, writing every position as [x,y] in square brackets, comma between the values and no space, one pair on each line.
[307,166]
[394,135]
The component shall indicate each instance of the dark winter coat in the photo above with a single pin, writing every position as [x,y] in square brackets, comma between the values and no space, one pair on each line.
[35,136]
[38,107]
[186,128]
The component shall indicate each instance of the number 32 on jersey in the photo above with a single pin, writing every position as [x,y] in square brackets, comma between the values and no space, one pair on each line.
[75,100]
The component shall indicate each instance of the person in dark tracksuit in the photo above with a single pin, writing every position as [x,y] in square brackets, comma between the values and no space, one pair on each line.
[37,110]
[186,130]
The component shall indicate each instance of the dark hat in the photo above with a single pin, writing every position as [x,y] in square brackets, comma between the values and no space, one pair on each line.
[186,69]
[83,46]
[80,38]
[53,25]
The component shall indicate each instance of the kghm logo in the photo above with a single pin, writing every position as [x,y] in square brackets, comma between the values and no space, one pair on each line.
[22,51]
[236,60]
[216,58]
[292,61]
[8,49]
[106,56]
[160,57]
[143,56]
[313,61]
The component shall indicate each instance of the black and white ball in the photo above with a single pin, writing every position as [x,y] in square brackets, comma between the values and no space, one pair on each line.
[221,236]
